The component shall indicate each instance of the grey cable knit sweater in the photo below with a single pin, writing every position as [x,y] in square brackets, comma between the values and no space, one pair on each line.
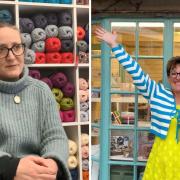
[31,127]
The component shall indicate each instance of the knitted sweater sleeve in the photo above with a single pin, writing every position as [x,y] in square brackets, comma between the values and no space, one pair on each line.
[141,80]
[8,167]
[54,142]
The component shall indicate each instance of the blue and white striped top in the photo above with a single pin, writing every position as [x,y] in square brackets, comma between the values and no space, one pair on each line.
[161,100]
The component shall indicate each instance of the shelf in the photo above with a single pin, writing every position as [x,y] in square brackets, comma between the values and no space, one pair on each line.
[124,99]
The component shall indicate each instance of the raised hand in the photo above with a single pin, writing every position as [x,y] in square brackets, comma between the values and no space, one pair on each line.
[106,36]
[34,167]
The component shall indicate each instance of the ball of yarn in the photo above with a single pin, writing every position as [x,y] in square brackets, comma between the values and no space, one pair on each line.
[80,33]
[72,147]
[85,175]
[40,58]
[48,82]
[26,25]
[53,57]
[40,21]
[85,164]
[68,116]
[83,57]
[26,39]
[84,106]
[67,57]
[84,139]
[66,103]
[85,152]
[51,31]
[5,16]
[52,19]
[29,56]
[84,117]
[64,18]
[82,46]
[83,84]
[34,73]
[72,162]
[83,96]
[67,46]
[57,94]
[68,89]
[59,80]
[38,46]
[52,44]
[74,173]
[65,32]
[38,34]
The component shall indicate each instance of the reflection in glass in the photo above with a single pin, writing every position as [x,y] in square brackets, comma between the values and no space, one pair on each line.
[151,39]
[121,172]
[176,41]
[126,35]
[145,141]
[95,41]
[121,145]
[96,75]
[153,67]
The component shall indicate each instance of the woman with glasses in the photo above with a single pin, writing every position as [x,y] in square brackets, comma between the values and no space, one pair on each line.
[164,159]
[33,144]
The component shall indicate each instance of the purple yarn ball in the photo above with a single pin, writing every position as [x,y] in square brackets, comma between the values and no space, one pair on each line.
[47,81]
[59,80]
[68,90]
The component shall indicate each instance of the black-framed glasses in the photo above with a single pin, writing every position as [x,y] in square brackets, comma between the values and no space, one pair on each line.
[174,74]
[17,50]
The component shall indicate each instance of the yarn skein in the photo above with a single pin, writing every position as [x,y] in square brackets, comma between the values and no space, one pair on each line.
[59,79]
[26,39]
[84,116]
[51,31]
[66,103]
[68,116]
[72,147]
[34,73]
[38,46]
[72,162]
[38,34]
[40,58]
[29,56]
[68,89]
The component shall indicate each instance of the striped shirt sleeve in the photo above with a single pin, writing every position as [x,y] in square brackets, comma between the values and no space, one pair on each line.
[141,80]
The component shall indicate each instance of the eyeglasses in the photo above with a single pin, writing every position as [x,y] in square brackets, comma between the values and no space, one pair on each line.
[174,74]
[17,50]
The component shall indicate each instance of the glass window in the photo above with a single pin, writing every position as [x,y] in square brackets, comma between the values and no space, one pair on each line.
[176,41]
[151,39]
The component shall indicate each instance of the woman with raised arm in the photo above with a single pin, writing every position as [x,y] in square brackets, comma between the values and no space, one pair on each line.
[164,160]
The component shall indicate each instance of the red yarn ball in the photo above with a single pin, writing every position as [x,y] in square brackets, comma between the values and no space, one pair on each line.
[40,58]
[80,33]
[67,57]
[52,44]
[54,57]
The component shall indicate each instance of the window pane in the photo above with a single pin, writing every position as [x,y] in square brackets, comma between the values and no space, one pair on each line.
[151,39]
[153,67]
[126,35]
[96,72]
[176,39]
[95,42]
[121,145]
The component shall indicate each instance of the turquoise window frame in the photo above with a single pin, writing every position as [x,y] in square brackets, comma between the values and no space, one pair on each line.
[106,92]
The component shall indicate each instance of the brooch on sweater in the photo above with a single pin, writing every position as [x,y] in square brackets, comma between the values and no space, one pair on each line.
[17,99]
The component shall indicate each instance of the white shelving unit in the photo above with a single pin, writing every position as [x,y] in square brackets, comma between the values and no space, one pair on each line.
[80,16]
